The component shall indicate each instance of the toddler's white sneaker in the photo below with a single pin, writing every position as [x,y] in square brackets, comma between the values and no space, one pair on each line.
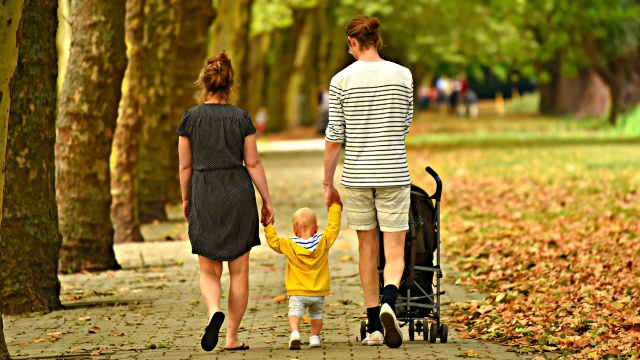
[294,340]
[314,341]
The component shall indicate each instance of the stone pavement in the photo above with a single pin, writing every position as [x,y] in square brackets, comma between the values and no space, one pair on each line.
[152,308]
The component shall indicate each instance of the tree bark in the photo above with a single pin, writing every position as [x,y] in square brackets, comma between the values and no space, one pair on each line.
[230,32]
[191,49]
[303,84]
[338,58]
[256,81]
[157,143]
[623,77]
[87,120]
[10,23]
[548,90]
[620,73]
[29,239]
[4,352]
[126,141]
[582,96]
[280,68]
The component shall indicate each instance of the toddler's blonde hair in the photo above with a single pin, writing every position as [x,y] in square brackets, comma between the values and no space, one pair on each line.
[304,219]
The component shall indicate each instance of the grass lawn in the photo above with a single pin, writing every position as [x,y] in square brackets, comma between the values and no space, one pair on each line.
[543,215]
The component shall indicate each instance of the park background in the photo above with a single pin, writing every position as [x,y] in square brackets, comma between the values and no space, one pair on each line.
[542,202]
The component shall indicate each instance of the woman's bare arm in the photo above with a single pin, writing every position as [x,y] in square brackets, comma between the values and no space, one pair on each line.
[186,170]
[256,171]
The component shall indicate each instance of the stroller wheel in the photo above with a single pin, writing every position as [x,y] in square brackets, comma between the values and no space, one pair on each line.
[444,333]
[433,333]
[411,330]
[425,329]
[363,329]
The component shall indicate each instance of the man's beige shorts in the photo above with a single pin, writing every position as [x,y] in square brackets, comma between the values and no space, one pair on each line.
[389,206]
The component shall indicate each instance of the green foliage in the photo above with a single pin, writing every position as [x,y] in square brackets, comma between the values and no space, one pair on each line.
[268,15]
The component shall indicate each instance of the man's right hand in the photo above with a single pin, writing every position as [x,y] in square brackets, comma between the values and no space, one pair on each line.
[331,196]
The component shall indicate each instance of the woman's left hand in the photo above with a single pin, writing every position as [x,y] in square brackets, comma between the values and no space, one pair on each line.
[268,218]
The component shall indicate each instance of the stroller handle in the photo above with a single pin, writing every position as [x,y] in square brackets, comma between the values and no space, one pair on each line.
[438,194]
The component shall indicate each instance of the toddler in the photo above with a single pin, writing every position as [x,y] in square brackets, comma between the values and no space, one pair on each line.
[307,276]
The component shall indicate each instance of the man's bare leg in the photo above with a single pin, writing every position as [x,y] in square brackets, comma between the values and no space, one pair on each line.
[394,257]
[368,266]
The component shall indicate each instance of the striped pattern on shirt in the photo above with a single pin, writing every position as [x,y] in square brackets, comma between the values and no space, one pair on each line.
[310,243]
[371,107]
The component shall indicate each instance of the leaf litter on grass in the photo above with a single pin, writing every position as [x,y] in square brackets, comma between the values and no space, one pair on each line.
[556,247]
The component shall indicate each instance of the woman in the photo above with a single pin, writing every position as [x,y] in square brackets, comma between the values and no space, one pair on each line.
[218,198]
[371,108]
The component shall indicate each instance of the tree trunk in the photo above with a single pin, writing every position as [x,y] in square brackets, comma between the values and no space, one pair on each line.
[63,39]
[582,96]
[195,20]
[230,32]
[621,74]
[256,81]
[29,239]
[126,141]
[10,21]
[623,78]
[4,352]
[280,68]
[157,143]
[303,84]
[548,89]
[338,57]
[87,120]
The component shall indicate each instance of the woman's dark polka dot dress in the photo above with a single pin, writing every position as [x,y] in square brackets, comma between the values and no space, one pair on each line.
[223,215]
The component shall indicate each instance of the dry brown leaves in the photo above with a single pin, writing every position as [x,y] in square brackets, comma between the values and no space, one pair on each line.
[561,260]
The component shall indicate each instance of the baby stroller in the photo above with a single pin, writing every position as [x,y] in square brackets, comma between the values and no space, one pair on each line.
[417,302]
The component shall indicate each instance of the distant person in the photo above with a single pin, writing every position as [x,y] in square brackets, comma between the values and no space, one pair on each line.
[219,164]
[423,97]
[372,109]
[441,87]
[462,106]
[472,103]
[433,96]
[456,86]
[261,121]
[323,110]
[307,278]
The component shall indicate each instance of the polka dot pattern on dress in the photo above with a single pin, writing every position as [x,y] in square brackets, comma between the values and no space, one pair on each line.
[223,214]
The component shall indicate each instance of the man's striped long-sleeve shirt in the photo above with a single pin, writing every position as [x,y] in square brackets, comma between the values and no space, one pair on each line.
[371,107]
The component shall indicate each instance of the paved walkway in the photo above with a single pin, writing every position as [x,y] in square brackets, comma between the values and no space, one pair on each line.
[152,308]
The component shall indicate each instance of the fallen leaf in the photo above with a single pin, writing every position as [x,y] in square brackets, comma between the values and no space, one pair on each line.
[74,350]
[84,318]
[279,299]
[41,340]
[55,336]
[306,319]
[115,333]
[613,351]
[96,353]
[94,330]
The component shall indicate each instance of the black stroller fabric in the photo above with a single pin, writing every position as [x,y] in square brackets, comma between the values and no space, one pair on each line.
[420,245]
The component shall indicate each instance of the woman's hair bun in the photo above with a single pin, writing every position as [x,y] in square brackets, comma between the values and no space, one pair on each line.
[223,57]
[373,24]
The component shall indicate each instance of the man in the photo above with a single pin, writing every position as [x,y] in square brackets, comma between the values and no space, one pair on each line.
[371,108]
